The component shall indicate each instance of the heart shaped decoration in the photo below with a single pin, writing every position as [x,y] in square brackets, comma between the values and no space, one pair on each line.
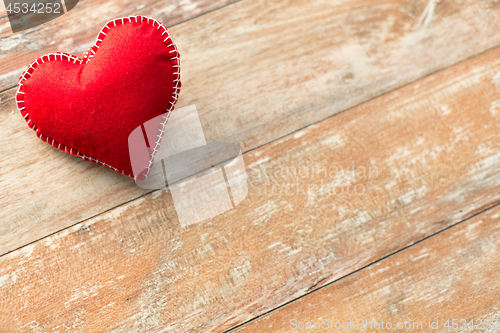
[88,106]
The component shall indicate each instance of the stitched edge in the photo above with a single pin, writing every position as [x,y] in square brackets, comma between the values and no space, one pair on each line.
[88,55]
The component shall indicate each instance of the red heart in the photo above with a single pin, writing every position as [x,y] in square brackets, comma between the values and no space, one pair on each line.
[88,106]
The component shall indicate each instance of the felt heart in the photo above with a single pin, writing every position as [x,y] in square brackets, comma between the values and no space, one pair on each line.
[88,106]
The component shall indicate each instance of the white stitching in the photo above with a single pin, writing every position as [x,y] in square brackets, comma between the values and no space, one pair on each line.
[166,116]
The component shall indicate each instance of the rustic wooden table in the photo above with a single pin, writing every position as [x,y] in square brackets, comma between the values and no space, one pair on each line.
[396,99]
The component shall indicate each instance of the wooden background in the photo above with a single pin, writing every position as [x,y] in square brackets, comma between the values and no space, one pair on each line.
[402,96]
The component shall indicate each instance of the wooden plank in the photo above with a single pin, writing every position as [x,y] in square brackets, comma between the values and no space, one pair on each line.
[372,46]
[453,275]
[253,80]
[38,196]
[325,49]
[44,191]
[76,31]
[434,145]
[303,61]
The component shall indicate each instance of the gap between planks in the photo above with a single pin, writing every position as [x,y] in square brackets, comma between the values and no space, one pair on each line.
[346,63]
[435,143]
[245,152]
[357,295]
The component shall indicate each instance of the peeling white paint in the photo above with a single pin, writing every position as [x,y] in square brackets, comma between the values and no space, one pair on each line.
[188,5]
[419,141]
[496,79]
[25,252]
[4,279]
[419,257]
[485,163]
[412,194]
[157,193]
[363,217]
[484,150]
[239,273]
[428,13]
[495,108]
[335,140]
[461,134]
[413,211]
[470,230]
[259,162]
[299,134]
[293,252]
[274,245]
[445,110]
[390,184]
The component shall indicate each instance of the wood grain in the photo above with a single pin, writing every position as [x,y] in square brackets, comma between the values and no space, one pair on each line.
[453,275]
[273,68]
[434,151]
[76,31]
[256,70]
[44,191]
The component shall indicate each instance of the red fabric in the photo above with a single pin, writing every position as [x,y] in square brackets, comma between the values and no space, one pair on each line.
[88,107]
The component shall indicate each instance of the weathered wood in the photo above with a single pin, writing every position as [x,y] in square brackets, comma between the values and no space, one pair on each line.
[42,190]
[434,145]
[273,69]
[256,70]
[453,275]
[284,51]
[77,30]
